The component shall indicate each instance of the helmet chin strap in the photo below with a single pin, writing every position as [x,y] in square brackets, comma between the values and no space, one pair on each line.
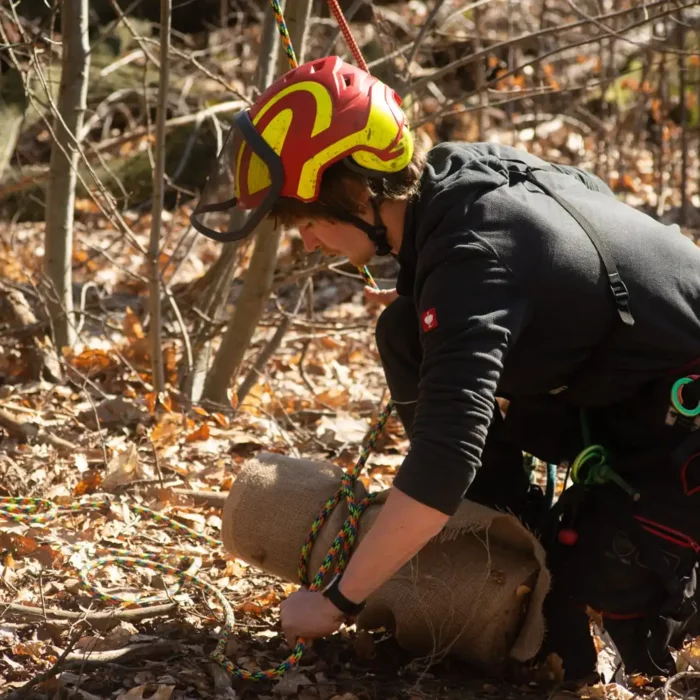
[375,232]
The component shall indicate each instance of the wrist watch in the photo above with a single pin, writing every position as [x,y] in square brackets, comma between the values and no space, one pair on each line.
[346,606]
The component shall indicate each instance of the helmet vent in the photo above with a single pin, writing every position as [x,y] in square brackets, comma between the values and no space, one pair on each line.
[348,80]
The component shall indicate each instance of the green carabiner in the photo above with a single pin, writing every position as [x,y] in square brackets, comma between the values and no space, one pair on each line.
[676,398]
[599,472]
[592,475]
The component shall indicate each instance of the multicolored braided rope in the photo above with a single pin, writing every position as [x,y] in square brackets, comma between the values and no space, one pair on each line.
[284,33]
[42,512]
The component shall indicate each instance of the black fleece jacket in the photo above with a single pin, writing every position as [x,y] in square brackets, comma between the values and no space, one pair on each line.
[514,300]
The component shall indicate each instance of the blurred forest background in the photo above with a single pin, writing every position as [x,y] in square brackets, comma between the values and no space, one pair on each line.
[140,359]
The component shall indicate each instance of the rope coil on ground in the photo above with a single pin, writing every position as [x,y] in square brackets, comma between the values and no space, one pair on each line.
[43,512]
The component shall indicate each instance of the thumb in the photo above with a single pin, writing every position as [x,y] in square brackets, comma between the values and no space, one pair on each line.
[380,296]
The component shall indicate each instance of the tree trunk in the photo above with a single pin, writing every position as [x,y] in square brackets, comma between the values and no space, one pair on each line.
[258,281]
[246,314]
[158,194]
[13,104]
[64,159]
[216,282]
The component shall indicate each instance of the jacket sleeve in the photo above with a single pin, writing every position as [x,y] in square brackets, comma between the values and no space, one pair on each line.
[470,310]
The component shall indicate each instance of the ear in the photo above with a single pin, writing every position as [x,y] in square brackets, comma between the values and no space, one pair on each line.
[359,194]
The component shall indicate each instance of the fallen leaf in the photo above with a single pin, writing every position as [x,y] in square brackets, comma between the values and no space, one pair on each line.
[221,419]
[163,692]
[18,544]
[47,556]
[600,691]
[92,362]
[689,657]
[341,430]
[235,568]
[122,469]
[289,684]
[89,483]
[113,412]
[33,649]
[609,663]
[132,325]
[260,603]
[202,433]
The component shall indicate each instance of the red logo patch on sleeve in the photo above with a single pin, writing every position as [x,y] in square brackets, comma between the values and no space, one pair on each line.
[429,320]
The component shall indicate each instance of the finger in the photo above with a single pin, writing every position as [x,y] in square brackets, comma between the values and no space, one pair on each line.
[380,296]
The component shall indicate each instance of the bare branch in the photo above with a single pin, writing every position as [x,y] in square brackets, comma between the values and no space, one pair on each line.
[422,82]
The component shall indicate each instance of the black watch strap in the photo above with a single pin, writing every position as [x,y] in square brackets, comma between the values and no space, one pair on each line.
[347,607]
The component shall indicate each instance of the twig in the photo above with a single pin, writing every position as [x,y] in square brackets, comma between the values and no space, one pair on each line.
[349,14]
[109,208]
[520,95]
[28,611]
[183,327]
[22,692]
[423,33]
[153,253]
[302,371]
[107,144]
[25,432]
[157,461]
[208,498]
[296,276]
[135,55]
[667,685]
[135,652]
[640,44]
[495,48]
[270,347]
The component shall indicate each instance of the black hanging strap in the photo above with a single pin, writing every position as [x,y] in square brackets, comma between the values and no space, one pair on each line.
[619,290]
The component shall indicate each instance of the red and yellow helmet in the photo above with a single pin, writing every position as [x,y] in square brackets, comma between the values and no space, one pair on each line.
[310,118]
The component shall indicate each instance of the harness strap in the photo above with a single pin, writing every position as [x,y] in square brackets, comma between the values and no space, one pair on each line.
[617,286]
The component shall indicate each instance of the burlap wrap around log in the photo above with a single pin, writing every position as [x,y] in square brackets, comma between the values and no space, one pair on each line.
[475,591]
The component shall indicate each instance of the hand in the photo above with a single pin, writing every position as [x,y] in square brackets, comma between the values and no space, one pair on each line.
[308,614]
[380,296]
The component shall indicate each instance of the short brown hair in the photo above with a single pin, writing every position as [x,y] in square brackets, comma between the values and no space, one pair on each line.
[342,187]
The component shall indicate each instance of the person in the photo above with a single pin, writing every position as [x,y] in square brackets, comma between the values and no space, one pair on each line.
[533,313]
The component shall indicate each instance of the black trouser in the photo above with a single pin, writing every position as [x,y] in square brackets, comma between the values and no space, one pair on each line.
[616,567]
